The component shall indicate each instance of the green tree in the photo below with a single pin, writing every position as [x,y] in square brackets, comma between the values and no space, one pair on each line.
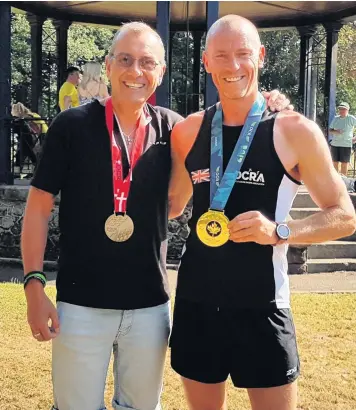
[346,68]
[281,72]
[90,43]
[85,43]
[282,62]
[20,58]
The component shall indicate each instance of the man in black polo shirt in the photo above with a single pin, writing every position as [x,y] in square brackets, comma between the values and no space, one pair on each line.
[112,287]
[111,164]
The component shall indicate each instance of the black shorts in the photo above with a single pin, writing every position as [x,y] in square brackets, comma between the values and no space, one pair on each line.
[340,154]
[256,347]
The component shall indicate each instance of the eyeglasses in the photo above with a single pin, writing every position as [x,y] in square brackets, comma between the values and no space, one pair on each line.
[126,61]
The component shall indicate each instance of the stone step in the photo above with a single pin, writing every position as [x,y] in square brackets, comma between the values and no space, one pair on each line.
[332,250]
[304,200]
[331,265]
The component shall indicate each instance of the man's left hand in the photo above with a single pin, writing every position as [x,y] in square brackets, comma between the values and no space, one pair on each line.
[277,101]
[252,226]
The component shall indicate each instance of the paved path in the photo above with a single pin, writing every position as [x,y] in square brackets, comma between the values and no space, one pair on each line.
[324,282]
[318,282]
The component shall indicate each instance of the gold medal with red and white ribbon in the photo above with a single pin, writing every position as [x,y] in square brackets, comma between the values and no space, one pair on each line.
[119,228]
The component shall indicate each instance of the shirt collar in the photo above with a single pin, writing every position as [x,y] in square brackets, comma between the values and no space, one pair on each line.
[147,114]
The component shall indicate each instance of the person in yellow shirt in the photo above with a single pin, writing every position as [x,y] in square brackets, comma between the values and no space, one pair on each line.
[68,94]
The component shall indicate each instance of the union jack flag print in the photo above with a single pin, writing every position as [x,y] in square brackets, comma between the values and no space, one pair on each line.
[202,175]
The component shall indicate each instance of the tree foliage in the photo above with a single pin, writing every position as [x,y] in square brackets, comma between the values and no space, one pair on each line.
[85,43]
[90,43]
[281,67]
[346,69]
[20,57]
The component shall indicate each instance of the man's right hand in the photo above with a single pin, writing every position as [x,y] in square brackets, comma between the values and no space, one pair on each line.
[40,310]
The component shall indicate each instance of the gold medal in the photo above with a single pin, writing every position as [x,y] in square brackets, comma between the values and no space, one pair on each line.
[212,228]
[119,228]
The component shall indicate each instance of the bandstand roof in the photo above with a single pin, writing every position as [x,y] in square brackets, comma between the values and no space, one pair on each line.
[265,14]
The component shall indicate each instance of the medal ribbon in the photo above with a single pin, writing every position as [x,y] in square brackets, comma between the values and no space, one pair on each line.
[221,185]
[121,186]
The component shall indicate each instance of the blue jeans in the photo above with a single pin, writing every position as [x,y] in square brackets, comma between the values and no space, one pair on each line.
[82,351]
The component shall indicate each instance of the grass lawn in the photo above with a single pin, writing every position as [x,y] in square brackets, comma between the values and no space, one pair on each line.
[326,326]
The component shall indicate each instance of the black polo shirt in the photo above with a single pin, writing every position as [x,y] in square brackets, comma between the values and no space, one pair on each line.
[76,161]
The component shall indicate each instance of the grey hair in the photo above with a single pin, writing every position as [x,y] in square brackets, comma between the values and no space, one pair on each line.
[137,27]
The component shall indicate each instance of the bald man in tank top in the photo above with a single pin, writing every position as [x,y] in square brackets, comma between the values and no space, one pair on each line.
[243,166]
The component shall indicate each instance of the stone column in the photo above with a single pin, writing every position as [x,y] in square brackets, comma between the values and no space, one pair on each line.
[5,93]
[169,63]
[332,35]
[61,27]
[36,24]
[212,14]
[305,69]
[297,259]
[162,27]
[197,36]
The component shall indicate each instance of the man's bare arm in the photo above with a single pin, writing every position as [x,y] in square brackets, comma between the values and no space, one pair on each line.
[40,310]
[337,216]
[35,228]
[180,186]
[334,131]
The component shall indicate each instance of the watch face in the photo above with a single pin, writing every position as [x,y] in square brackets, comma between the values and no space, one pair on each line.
[283,231]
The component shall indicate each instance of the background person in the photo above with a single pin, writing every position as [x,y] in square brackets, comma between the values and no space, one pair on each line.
[29,133]
[68,94]
[92,86]
[342,130]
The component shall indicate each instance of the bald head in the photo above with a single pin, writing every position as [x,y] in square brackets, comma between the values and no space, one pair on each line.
[234,23]
[233,55]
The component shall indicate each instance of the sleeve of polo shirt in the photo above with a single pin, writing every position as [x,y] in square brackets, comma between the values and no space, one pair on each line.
[353,120]
[52,169]
[174,118]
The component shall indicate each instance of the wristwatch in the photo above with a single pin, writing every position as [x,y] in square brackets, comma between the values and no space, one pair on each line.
[283,232]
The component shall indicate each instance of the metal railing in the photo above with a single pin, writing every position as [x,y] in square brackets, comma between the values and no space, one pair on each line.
[186,104]
[26,136]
